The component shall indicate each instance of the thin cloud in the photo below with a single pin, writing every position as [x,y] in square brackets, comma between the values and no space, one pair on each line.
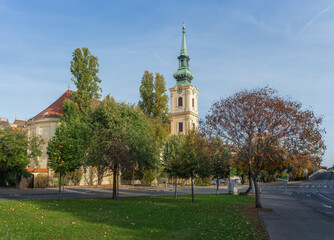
[315,18]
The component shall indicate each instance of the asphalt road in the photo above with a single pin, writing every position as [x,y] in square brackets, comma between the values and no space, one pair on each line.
[318,194]
[93,192]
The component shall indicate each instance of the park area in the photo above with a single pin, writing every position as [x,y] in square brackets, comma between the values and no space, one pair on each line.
[209,217]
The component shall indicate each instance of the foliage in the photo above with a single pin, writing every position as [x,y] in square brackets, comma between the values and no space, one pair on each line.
[206,181]
[42,181]
[194,156]
[154,103]
[219,154]
[67,148]
[16,151]
[171,155]
[127,175]
[75,176]
[255,120]
[122,138]
[223,217]
[84,68]
[149,175]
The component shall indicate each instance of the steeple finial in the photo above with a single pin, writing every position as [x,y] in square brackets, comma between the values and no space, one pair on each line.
[183,44]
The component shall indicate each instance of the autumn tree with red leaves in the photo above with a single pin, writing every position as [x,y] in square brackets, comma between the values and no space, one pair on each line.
[253,120]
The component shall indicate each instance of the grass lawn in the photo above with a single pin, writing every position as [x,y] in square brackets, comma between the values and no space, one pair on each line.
[210,217]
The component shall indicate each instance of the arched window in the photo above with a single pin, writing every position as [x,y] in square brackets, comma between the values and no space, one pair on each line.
[180,101]
[193,103]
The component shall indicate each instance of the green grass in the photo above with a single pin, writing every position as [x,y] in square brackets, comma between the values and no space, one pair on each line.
[210,217]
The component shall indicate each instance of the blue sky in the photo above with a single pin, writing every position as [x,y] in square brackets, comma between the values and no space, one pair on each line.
[233,45]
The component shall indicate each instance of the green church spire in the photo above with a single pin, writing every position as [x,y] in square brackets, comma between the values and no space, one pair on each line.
[183,75]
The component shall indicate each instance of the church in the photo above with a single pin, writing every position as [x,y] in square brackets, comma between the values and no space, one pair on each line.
[183,115]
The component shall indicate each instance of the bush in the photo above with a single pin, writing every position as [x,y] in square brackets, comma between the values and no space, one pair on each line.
[42,181]
[75,176]
[203,181]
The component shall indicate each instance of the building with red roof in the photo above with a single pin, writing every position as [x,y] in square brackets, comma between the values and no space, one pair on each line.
[44,124]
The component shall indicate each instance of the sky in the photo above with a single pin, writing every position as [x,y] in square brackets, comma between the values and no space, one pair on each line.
[233,45]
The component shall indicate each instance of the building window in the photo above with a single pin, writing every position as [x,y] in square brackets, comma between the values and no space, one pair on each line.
[194,126]
[180,126]
[180,101]
[193,103]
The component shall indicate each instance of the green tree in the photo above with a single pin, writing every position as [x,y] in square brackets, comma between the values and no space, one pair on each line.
[171,160]
[219,155]
[154,103]
[68,148]
[16,151]
[124,137]
[84,68]
[194,157]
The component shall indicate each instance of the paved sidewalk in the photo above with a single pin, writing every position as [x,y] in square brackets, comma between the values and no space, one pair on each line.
[290,219]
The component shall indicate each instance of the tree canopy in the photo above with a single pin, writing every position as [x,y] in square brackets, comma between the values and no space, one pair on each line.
[123,137]
[84,68]
[154,103]
[16,152]
[253,120]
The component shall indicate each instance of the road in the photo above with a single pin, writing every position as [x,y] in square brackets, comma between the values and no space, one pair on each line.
[317,194]
[93,192]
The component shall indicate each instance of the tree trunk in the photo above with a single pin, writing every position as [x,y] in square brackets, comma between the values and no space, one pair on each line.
[114,183]
[250,185]
[59,193]
[217,190]
[257,192]
[242,179]
[192,189]
[117,189]
[175,192]
[99,176]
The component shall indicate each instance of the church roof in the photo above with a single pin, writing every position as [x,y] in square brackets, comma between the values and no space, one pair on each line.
[56,108]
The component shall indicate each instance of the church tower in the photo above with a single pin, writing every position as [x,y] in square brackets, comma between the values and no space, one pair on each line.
[184,112]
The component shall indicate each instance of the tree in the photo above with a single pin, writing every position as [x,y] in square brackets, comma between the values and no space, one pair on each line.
[125,140]
[219,156]
[154,103]
[67,149]
[194,157]
[16,151]
[171,160]
[253,120]
[84,68]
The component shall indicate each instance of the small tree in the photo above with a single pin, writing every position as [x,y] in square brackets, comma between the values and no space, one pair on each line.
[171,158]
[219,155]
[68,147]
[194,157]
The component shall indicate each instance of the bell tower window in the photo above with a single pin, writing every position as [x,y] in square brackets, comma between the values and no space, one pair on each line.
[180,101]
[180,126]
[193,103]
